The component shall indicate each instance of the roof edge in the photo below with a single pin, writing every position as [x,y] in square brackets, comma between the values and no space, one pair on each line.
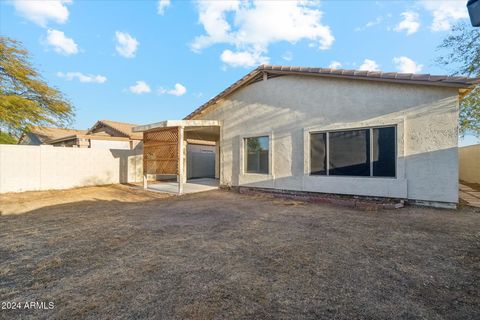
[177,123]
[392,77]
[102,122]
[88,136]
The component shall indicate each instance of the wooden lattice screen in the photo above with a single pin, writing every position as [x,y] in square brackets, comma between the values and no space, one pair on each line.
[160,151]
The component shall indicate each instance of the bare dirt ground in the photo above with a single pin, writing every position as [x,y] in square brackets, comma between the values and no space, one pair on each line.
[219,254]
[14,203]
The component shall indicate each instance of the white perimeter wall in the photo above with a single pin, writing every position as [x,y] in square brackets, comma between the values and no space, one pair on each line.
[25,168]
[469,159]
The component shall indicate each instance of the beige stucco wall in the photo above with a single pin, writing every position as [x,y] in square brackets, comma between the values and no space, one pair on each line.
[287,108]
[109,144]
[24,168]
[469,160]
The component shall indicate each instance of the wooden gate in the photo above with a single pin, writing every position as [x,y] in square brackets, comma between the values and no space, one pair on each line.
[160,151]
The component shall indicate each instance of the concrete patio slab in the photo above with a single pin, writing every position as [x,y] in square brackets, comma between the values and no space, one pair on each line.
[191,186]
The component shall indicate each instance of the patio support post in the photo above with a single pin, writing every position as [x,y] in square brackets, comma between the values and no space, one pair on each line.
[217,159]
[181,167]
[145,185]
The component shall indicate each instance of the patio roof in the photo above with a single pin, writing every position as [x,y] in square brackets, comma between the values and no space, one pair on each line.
[177,123]
[164,142]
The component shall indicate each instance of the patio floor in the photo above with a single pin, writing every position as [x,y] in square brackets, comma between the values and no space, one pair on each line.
[191,186]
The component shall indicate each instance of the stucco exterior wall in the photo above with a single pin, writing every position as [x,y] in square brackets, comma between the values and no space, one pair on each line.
[137,144]
[109,144]
[45,167]
[288,108]
[469,159]
[72,143]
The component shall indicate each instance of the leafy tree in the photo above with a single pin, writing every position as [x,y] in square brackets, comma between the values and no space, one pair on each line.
[463,45]
[253,144]
[6,138]
[25,98]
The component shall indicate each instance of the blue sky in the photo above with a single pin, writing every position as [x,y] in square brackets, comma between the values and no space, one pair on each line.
[146,61]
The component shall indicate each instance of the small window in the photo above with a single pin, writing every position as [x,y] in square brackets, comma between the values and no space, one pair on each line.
[256,155]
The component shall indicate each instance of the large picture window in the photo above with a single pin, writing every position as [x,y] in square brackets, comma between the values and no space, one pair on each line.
[349,153]
[361,153]
[256,155]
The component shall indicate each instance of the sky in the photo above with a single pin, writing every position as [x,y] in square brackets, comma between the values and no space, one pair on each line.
[147,61]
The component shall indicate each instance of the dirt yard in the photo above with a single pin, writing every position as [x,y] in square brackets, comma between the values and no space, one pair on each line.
[116,253]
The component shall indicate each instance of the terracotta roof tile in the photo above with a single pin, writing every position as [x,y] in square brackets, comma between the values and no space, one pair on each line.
[124,128]
[421,77]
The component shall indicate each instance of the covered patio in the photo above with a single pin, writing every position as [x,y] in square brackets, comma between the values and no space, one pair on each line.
[173,149]
[191,186]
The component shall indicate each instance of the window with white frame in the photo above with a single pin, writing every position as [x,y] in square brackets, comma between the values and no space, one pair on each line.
[367,152]
[256,155]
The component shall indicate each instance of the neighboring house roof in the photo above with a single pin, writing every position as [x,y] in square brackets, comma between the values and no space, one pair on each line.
[87,136]
[123,128]
[45,134]
[53,135]
[270,71]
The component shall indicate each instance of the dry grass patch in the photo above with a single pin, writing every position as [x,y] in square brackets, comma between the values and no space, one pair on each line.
[225,255]
[15,203]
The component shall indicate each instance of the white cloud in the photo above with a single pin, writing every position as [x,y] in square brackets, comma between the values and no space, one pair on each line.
[179,90]
[61,43]
[410,22]
[242,58]
[162,5]
[86,78]
[251,26]
[335,65]
[287,56]
[126,44]
[140,87]
[369,65]
[212,15]
[445,13]
[407,65]
[41,12]
[370,24]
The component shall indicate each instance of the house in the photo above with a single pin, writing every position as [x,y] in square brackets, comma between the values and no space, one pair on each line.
[114,135]
[103,134]
[374,134]
[38,135]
